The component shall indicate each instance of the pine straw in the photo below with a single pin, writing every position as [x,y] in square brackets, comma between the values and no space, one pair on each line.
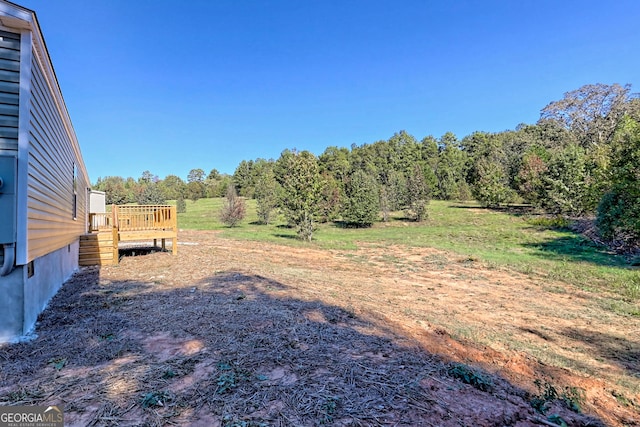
[230,351]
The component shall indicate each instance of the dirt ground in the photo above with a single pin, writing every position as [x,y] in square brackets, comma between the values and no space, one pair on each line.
[236,333]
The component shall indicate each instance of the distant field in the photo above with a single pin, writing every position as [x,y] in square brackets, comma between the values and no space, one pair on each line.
[499,239]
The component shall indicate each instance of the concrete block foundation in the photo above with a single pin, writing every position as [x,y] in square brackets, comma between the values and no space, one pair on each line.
[27,290]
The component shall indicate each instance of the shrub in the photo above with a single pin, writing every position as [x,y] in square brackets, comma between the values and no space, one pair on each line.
[234,208]
[470,376]
[619,217]
[571,397]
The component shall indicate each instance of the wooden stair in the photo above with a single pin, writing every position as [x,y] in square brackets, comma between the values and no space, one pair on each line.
[99,249]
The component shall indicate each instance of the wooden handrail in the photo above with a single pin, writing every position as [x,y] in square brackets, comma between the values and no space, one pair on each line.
[99,221]
[135,218]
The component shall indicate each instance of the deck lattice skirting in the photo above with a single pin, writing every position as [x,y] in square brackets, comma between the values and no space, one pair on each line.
[127,223]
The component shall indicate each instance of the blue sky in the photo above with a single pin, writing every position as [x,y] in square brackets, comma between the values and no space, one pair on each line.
[171,86]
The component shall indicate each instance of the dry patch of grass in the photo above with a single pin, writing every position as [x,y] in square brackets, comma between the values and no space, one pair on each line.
[236,333]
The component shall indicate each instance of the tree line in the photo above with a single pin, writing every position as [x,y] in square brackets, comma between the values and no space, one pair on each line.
[150,189]
[582,158]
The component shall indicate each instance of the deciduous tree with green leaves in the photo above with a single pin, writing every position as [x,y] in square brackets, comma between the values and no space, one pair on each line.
[619,210]
[117,192]
[196,175]
[195,191]
[150,194]
[491,187]
[195,185]
[173,187]
[488,170]
[569,186]
[530,178]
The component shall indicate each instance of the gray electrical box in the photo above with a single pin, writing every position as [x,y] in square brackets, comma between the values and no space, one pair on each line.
[8,201]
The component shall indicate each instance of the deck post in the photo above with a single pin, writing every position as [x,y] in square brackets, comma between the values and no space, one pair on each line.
[114,216]
[174,223]
[115,234]
[116,253]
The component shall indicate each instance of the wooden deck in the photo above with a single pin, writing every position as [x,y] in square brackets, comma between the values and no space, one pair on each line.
[126,224]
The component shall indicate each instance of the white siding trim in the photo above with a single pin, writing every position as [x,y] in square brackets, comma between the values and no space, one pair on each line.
[22,245]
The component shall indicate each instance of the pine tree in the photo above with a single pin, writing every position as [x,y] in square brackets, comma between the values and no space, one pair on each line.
[234,208]
[181,205]
[418,194]
[266,194]
[362,207]
[298,174]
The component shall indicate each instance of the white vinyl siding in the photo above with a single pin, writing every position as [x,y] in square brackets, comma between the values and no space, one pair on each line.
[50,198]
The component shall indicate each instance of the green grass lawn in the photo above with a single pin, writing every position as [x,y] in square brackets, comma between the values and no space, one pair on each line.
[497,238]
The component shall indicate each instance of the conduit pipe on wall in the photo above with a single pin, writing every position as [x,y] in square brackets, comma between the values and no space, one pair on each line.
[9,254]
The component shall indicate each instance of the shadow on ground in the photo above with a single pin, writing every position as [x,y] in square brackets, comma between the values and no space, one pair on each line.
[510,209]
[575,247]
[140,251]
[232,350]
[620,351]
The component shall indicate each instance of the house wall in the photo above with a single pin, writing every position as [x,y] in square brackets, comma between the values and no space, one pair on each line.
[55,174]
[51,203]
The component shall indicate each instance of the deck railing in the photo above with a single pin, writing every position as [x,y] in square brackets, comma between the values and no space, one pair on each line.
[147,217]
[129,223]
[135,218]
[100,222]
